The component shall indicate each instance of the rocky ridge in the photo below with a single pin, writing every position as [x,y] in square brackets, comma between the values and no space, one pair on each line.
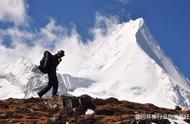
[75,110]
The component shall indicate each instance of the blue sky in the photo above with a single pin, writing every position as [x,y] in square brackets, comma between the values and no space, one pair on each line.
[168,20]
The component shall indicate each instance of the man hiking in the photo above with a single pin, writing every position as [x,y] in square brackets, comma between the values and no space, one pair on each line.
[48,65]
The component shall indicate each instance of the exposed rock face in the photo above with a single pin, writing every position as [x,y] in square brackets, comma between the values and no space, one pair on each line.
[67,109]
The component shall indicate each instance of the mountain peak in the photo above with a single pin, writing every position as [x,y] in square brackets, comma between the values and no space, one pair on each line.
[131,65]
[139,22]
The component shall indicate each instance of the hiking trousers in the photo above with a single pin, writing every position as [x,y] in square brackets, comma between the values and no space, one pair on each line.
[53,82]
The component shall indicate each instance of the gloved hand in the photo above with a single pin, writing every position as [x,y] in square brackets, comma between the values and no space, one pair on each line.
[59,60]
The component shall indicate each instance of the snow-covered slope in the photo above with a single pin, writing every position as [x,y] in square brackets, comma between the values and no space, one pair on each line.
[129,64]
[23,80]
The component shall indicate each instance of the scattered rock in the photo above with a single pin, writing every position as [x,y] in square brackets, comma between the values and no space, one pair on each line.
[178,108]
[56,120]
[88,121]
[89,112]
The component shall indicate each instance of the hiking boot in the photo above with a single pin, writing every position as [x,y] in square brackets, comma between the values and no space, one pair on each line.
[55,95]
[39,95]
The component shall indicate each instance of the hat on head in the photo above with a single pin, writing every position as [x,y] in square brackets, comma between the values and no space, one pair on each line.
[61,52]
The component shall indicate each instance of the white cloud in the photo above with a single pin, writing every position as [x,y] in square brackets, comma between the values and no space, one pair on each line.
[51,34]
[15,35]
[13,11]
[53,37]
[125,1]
[104,25]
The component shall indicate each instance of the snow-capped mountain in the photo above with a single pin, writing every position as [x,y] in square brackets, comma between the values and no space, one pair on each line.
[23,80]
[129,64]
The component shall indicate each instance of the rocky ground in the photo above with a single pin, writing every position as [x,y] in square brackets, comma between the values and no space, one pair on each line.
[73,110]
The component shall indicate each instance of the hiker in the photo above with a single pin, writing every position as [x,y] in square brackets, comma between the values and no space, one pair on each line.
[48,65]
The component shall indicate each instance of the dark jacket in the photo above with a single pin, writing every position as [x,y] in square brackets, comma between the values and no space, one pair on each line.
[51,61]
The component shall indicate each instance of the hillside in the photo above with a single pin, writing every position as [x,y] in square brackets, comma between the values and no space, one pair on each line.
[85,110]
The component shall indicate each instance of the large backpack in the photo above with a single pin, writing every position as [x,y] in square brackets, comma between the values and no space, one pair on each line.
[42,61]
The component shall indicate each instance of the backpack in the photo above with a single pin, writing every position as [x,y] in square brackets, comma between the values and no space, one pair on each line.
[42,61]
